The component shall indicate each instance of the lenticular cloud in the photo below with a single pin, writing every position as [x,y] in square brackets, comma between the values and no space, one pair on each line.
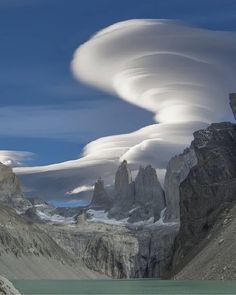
[181,74]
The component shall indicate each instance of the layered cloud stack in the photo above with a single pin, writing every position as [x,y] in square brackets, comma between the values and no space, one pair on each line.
[179,73]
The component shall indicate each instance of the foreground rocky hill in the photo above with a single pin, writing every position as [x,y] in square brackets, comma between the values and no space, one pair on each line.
[6,287]
[10,189]
[204,247]
[214,258]
[26,251]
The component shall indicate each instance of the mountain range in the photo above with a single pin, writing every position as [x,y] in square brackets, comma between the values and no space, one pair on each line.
[135,228]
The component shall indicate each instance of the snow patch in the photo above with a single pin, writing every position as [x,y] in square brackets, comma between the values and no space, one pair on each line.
[55,218]
[101,216]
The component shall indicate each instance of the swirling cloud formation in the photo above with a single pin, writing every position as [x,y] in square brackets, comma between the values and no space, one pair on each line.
[181,74]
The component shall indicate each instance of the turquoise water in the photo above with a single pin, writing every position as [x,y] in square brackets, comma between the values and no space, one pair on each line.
[142,286]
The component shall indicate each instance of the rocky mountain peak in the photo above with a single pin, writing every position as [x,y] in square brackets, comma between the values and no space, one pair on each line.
[137,200]
[101,200]
[149,195]
[147,186]
[10,190]
[123,178]
[124,192]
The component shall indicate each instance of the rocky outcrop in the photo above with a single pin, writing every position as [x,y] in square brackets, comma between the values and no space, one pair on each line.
[233,103]
[214,257]
[101,200]
[10,190]
[7,288]
[32,215]
[149,196]
[137,200]
[177,170]
[209,187]
[124,192]
[112,254]
[118,251]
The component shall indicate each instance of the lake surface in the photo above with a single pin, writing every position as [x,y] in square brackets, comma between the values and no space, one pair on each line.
[139,286]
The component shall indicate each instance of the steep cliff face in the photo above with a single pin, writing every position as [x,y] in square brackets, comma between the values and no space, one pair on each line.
[137,200]
[149,196]
[233,103]
[214,257]
[118,251]
[101,200]
[209,187]
[177,170]
[144,254]
[124,192]
[10,190]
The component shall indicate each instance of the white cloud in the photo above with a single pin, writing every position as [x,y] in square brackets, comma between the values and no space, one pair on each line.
[80,189]
[182,74]
[15,158]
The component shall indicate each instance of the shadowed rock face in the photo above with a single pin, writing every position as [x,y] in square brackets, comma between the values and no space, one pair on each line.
[124,192]
[140,199]
[149,196]
[233,103]
[177,170]
[101,200]
[10,190]
[209,187]
[118,251]
[124,186]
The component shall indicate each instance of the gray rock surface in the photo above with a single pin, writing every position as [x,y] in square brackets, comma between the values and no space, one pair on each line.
[101,200]
[10,190]
[118,251]
[177,170]
[27,251]
[214,258]
[7,288]
[124,192]
[209,187]
[36,201]
[32,215]
[233,103]
[149,196]
[137,200]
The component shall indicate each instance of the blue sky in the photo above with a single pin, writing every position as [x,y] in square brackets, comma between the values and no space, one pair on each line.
[43,109]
